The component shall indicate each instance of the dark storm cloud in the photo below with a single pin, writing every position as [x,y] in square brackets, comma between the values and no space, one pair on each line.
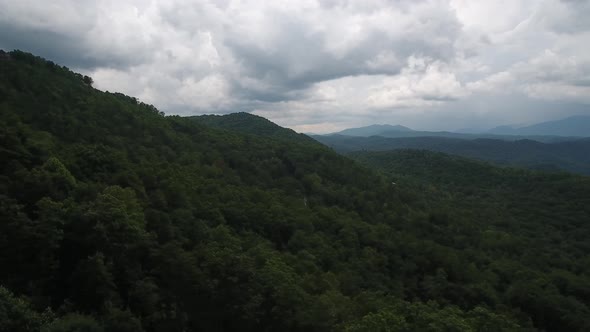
[63,48]
[300,57]
[74,33]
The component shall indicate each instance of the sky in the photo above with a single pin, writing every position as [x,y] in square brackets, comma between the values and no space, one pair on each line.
[322,66]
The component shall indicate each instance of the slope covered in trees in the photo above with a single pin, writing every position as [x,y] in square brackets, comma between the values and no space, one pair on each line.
[252,124]
[532,219]
[114,217]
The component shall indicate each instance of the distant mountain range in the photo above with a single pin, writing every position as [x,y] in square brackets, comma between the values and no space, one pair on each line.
[572,126]
[551,131]
[385,131]
[572,156]
[555,145]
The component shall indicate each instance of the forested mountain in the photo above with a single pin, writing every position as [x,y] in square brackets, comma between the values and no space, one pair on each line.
[571,126]
[572,156]
[115,217]
[252,124]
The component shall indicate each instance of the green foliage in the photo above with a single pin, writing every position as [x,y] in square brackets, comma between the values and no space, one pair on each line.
[406,317]
[524,228]
[122,321]
[119,218]
[16,314]
[74,323]
[252,124]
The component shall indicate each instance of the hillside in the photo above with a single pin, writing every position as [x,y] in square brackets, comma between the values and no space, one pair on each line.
[526,213]
[251,124]
[572,156]
[115,217]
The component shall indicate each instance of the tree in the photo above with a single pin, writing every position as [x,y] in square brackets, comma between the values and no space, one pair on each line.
[16,314]
[88,80]
[74,323]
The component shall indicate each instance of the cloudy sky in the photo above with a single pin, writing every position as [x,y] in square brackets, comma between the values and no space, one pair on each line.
[321,66]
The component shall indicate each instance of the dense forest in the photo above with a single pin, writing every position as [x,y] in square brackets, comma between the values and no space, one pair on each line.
[251,124]
[115,217]
[568,154]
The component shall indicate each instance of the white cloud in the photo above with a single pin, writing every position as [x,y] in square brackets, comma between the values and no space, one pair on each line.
[548,76]
[418,85]
[314,64]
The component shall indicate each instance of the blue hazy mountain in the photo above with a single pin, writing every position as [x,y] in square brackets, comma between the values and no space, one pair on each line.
[551,131]
[573,126]
[398,131]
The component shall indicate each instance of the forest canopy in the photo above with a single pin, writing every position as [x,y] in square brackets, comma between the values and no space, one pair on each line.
[115,217]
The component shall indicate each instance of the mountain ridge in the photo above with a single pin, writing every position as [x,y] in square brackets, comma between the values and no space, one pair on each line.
[578,126]
[248,123]
[562,129]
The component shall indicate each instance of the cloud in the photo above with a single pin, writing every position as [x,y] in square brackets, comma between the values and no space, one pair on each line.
[321,65]
[79,33]
[548,76]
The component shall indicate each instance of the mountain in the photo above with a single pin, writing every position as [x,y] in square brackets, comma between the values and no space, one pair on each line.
[373,130]
[251,124]
[571,126]
[552,131]
[116,217]
[571,156]
[386,131]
